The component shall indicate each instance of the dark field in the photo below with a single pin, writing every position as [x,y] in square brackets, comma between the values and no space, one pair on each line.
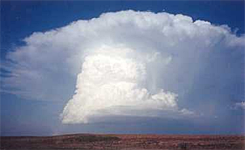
[125,142]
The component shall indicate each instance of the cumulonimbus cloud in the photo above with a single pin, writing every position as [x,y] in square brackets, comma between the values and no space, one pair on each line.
[125,63]
[112,81]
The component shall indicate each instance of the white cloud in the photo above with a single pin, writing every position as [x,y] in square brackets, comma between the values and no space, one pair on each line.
[128,63]
[112,80]
[240,105]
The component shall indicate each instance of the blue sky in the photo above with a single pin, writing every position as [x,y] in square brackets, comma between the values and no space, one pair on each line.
[25,116]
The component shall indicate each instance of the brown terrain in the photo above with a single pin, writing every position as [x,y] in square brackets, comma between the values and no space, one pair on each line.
[125,142]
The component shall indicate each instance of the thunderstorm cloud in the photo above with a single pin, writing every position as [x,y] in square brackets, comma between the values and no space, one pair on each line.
[127,63]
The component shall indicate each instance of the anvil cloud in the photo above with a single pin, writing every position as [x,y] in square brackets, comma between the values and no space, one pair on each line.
[127,63]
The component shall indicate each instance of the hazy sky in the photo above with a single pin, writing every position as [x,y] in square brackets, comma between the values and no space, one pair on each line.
[145,67]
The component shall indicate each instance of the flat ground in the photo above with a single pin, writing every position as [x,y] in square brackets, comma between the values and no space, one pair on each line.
[125,142]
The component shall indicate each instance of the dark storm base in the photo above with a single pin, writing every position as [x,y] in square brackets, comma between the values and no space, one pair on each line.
[125,142]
